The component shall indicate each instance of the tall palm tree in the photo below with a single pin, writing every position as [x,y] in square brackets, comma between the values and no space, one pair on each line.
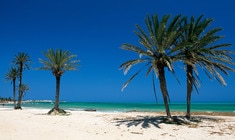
[199,48]
[58,62]
[22,61]
[12,75]
[156,50]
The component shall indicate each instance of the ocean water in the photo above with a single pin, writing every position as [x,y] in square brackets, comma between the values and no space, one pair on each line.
[124,107]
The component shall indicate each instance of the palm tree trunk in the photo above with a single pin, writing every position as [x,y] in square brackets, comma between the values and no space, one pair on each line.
[189,89]
[14,92]
[57,94]
[56,110]
[20,92]
[19,101]
[164,91]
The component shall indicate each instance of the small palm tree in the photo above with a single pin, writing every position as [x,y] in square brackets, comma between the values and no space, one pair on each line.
[22,61]
[13,75]
[23,89]
[156,50]
[58,62]
[199,48]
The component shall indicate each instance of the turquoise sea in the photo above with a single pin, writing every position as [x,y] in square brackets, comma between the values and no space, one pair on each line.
[124,107]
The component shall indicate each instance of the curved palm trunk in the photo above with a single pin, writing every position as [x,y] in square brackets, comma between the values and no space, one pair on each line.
[14,92]
[20,92]
[164,91]
[189,75]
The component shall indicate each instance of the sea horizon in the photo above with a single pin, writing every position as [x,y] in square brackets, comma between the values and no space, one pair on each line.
[129,106]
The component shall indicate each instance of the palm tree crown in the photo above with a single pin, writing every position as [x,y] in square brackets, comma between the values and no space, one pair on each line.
[156,48]
[24,88]
[199,47]
[12,74]
[58,61]
[22,60]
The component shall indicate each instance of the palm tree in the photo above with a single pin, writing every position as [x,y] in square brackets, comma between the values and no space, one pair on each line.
[156,50]
[58,62]
[23,89]
[199,48]
[12,75]
[22,61]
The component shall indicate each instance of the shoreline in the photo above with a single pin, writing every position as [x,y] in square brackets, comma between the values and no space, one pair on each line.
[226,108]
[181,113]
[33,123]
[210,113]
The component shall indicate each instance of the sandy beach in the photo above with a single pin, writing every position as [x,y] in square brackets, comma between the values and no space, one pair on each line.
[35,124]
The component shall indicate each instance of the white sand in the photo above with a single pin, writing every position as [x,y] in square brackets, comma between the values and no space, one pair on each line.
[33,124]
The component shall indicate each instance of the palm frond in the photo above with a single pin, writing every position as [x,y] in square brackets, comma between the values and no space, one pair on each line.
[132,77]
[136,49]
[127,65]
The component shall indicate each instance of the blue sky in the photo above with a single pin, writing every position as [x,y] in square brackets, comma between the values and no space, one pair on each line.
[95,30]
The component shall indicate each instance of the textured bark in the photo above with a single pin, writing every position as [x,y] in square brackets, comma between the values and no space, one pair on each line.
[14,92]
[20,92]
[57,94]
[56,110]
[164,91]
[189,89]
[19,102]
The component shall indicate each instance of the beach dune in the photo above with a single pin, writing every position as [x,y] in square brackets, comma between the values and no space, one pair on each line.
[82,125]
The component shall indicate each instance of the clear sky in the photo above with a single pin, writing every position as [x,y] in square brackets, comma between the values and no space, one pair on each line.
[95,30]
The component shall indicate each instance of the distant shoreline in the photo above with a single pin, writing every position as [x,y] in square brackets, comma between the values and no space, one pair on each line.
[196,108]
[121,102]
[27,101]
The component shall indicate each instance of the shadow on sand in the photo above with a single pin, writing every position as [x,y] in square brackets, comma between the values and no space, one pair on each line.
[147,121]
